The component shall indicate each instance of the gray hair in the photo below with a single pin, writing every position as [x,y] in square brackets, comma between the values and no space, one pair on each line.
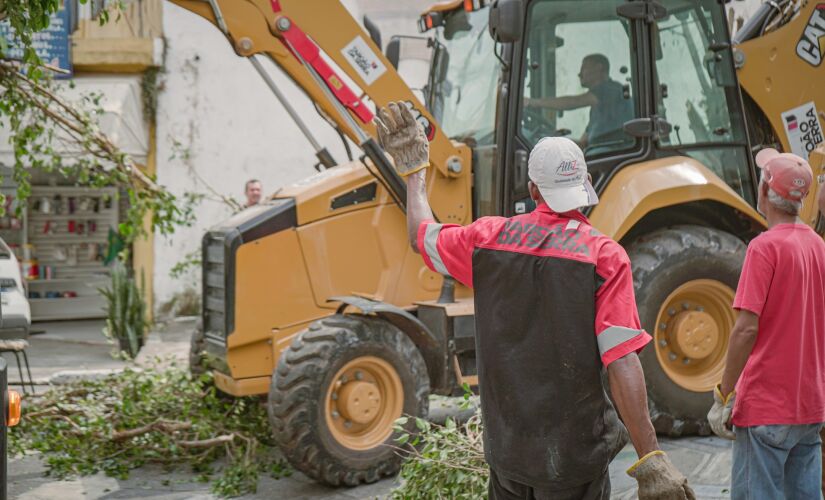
[790,207]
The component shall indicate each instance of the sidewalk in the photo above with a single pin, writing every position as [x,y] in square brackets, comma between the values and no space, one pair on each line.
[68,349]
[78,348]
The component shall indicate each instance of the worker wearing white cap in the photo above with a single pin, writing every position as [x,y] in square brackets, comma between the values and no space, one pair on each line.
[554,309]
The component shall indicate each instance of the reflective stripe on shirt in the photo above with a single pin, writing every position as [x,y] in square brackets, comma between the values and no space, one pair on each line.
[430,246]
[614,336]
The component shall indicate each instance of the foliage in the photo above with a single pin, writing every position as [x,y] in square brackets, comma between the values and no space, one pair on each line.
[191,260]
[123,421]
[38,119]
[126,321]
[444,461]
[149,88]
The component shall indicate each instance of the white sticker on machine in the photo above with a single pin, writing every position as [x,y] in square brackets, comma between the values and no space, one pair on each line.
[363,60]
[803,129]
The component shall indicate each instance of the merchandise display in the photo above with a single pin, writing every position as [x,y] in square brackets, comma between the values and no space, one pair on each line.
[67,230]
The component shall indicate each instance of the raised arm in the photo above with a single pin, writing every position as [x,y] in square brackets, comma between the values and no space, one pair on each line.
[403,138]
[418,207]
[564,103]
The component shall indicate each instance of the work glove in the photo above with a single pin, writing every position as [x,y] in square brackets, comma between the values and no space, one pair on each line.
[659,480]
[403,138]
[720,412]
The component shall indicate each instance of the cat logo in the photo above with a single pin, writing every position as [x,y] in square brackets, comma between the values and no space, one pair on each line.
[811,46]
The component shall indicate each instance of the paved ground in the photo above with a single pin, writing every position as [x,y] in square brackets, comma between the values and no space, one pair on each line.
[71,348]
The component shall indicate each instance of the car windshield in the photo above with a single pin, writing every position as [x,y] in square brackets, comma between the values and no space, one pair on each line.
[463,78]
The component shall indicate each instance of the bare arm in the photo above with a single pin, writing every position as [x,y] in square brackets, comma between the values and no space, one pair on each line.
[564,103]
[418,207]
[627,386]
[403,138]
[822,200]
[742,339]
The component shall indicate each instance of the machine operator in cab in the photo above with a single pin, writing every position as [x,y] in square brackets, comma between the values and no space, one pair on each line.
[609,110]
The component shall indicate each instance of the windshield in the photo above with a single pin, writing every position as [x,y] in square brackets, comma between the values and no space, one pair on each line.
[579,75]
[463,78]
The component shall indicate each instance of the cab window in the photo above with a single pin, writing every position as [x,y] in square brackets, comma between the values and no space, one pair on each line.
[578,75]
[697,93]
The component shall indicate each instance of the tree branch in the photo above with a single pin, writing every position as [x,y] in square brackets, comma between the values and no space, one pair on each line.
[166,426]
[207,443]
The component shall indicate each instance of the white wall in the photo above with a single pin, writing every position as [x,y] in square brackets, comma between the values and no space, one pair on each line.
[217,121]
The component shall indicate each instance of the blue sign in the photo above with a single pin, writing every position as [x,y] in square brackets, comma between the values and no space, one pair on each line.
[53,45]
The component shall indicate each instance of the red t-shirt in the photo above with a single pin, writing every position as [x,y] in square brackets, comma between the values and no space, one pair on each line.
[783,282]
[448,249]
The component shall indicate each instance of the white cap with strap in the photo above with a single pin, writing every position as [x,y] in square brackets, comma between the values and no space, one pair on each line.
[558,169]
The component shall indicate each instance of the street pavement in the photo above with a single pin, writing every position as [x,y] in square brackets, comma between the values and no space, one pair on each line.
[72,349]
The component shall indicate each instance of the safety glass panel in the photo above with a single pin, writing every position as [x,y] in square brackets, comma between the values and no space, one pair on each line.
[578,75]
[695,82]
[463,78]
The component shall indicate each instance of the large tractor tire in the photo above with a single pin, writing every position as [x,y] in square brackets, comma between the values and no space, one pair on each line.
[336,393]
[685,279]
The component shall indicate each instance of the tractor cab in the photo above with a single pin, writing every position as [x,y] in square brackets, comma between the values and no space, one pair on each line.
[628,81]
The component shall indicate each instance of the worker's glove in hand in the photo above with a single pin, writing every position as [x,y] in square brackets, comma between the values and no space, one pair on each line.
[720,412]
[403,138]
[659,480]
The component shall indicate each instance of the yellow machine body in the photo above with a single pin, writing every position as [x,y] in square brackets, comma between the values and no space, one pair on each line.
[285,280]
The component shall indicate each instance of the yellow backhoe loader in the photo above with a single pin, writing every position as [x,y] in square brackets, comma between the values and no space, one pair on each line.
[315,297]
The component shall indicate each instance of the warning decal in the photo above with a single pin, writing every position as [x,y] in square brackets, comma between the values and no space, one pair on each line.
[803,129]
[363,60]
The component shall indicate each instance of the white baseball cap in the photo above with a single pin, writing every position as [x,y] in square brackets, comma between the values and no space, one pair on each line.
[557,167]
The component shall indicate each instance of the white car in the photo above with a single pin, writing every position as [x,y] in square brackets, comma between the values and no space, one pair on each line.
[15,313]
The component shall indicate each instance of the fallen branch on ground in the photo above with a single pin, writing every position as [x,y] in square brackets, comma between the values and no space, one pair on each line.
[123,421]
[157,425]
[208,443]
[442,461]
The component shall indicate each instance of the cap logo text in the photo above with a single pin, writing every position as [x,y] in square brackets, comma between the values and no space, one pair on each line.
[567,168]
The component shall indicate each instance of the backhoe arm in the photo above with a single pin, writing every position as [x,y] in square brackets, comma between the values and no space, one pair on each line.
[302,37]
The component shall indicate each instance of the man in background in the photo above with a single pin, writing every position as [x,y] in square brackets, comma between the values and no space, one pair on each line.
[252,190]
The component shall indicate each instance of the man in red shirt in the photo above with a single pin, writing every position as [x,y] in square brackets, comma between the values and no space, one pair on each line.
[554,309]
[776,355]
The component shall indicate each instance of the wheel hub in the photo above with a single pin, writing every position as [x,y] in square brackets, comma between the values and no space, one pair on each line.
[359,401]
[692,330]
[694,334]
[364,399]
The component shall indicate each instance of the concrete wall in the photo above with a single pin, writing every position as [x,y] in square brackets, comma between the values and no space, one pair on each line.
[218,125]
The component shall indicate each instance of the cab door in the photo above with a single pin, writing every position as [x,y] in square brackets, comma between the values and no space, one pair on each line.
[552,66]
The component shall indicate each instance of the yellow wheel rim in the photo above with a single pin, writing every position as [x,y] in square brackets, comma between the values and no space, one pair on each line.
[692,333]
[362,402]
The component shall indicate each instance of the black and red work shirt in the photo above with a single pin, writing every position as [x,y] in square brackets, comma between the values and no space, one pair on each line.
[554,305]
